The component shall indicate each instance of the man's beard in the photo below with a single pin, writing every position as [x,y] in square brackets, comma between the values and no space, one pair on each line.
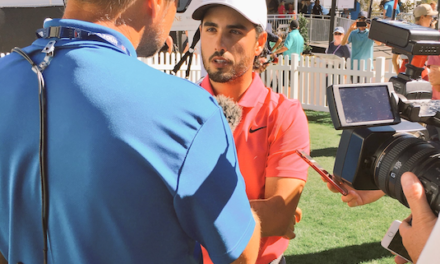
[235,72]
[151,42]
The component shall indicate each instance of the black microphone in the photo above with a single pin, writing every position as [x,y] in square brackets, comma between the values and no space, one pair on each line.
[231,110]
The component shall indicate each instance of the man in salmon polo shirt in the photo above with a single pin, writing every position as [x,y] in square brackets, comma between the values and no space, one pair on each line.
[272,126]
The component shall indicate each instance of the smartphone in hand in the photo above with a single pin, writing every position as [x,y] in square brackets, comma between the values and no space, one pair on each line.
[393,241]
[327,176]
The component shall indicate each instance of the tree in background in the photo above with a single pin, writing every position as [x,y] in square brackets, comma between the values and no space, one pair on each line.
[304,31]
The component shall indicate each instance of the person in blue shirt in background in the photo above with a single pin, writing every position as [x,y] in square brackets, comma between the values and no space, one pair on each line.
[361,45]
[388,9]
[294,41]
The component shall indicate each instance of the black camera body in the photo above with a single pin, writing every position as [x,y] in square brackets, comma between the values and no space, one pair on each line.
[376,146]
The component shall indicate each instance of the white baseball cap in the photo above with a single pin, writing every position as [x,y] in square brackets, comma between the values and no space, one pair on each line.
[424,10]
[254,10]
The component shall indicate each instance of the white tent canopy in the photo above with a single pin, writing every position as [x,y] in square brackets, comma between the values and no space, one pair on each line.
[30,3]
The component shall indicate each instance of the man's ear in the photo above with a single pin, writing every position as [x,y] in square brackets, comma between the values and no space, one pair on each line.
[153,7]
[261,43]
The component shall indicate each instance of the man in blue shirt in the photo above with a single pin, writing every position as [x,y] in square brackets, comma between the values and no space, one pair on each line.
[361,45]
[388,9]
[294,42]
[140,164]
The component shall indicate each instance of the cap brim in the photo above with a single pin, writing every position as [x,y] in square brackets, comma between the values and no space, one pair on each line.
[432,13]
[199,13]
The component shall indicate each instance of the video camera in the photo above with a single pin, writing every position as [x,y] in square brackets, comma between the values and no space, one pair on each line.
[376,146]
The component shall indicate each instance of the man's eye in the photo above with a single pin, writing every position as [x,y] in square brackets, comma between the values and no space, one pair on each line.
[210,30]
[235,32]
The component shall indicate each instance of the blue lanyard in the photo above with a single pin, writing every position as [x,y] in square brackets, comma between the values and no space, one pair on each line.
[80,34]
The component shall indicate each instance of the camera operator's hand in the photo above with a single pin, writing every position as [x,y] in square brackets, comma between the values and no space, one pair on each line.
[422,219]
[357,198]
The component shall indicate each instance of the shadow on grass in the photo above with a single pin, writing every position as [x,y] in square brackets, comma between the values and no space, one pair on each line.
[324,152]
[322,118]
[346,255]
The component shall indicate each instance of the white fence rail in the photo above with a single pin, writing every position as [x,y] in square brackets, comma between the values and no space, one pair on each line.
[305,79]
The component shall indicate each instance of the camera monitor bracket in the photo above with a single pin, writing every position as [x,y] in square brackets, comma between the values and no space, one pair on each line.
[405,38]
[369,104]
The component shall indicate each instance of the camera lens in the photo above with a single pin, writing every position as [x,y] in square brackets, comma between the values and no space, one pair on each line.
[402,153]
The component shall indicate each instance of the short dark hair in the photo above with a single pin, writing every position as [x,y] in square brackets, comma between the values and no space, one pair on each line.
[111,7]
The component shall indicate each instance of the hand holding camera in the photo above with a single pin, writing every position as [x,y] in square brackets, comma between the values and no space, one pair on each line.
[416,233]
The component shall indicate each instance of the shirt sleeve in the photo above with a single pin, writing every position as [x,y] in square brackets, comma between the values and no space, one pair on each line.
[272,37]
[289,41]
[290,132]
[350,38]
[211,201]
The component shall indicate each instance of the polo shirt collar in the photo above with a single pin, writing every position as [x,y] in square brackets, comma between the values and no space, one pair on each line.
[255,93]
[95,28]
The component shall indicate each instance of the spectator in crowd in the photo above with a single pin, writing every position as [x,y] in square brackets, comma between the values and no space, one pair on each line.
[273,38]
[272,127]
[290,9]
[273,7]
[317,9]
[336,47]
[294,42]
[282,9]
[388,7]
[433,5]
[303,6]
[423,15]
[361,45]
[130,178]
[354,12]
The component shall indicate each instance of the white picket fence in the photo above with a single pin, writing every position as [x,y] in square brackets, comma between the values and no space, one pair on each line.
[305,78]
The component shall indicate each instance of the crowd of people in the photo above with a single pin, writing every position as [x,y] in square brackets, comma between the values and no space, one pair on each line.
[142,166]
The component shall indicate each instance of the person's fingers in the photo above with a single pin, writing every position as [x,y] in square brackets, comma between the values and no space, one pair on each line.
[290,233]
[415,194]
[351,199]
[331,187]
[298,215]
[399,260]
[405,226]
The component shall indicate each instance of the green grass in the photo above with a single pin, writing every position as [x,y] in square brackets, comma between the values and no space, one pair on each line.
[330,231]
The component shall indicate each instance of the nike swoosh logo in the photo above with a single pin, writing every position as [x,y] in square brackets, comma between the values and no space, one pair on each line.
[255,130]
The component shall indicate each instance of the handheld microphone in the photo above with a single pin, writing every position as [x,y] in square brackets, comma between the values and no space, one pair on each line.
[231,110]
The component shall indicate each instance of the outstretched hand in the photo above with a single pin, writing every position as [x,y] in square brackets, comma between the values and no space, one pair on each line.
[355,197]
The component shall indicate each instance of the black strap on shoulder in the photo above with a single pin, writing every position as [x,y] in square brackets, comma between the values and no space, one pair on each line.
[190,54]
[42,146]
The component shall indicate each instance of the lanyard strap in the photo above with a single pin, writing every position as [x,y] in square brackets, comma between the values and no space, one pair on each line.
[80,34]
[336,49]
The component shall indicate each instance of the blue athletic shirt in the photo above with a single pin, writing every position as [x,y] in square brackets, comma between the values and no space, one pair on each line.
[294,43]
[361,47]
[141,164]
[389,6]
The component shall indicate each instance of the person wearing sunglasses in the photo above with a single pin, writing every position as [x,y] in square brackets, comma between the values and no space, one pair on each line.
[139,164]
[336,47]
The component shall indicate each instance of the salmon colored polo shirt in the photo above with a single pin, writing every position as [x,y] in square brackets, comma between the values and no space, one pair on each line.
[271,129]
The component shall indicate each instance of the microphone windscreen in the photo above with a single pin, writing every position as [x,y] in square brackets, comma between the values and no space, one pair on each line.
[231,110]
